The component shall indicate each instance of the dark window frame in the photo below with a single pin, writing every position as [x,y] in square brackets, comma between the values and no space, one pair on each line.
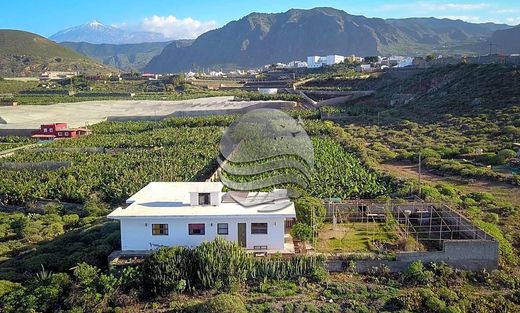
[160,230]
[192,232]
[219,228]
[259,228]
[205,196]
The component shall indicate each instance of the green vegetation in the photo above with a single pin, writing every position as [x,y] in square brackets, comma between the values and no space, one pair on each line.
[34,93]
[355,237]
[53,253]
[28,54]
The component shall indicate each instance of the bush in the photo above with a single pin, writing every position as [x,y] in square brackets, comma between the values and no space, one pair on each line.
[224,303]
[7,286]
[168,270]
[330,308]
[319,274]
[221,264]
[504,155]
[417,274]
[491,218]
[301,231]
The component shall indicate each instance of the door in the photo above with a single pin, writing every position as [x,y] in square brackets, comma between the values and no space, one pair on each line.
[242,234]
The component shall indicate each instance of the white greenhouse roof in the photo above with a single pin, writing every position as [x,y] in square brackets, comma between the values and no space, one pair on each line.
[172,199]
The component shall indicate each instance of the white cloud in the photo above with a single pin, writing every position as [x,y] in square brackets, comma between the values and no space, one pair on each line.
[465,18]
[436,7]
[513,20]
[175,28]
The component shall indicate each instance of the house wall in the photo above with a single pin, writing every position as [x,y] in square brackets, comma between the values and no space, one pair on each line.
[136,233]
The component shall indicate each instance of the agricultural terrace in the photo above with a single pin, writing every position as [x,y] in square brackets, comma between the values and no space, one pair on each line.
[89,175]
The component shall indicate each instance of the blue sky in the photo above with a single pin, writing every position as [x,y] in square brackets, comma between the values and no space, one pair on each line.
[188,18]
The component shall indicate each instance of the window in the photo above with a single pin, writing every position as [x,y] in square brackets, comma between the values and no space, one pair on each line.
[204,198]
[45,130]
[66,133]
[222,229]
[60,133]
[160,229]
[196,229]
[51,130]
[258,228]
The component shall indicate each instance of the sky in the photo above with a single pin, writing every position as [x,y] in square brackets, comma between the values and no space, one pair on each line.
[189,18]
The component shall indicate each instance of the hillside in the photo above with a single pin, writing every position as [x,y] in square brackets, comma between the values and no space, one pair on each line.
[28,54]
[507,41]
[126,57]
[260,39]
[433,94]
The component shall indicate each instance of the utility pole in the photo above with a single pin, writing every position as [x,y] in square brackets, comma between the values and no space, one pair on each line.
[491,47]
[420,172]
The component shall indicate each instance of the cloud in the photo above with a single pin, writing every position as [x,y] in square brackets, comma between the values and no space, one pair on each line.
[466,18]
[436,7]
[175,28]
[513,20]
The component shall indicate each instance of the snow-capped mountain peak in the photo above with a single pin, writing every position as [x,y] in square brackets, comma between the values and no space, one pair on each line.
[95,24]
[98,33]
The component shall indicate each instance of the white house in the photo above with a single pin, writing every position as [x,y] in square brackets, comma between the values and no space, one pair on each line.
[317,61]
[189,213]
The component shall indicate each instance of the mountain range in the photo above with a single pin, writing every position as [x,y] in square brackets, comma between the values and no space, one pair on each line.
[27,54]
[259,39]
[98,33]
[127,57]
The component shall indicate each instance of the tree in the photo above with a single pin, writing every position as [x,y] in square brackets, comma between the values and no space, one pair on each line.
[306,206]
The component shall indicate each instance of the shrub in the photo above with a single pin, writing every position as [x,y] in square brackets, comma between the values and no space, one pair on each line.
[281,288]
[224,303]
[301,231]
[417,274]
[167,270]
[319,274]
[330,308]
[7,286]
[285,268]
[504,155]
[491,218]
[221,264]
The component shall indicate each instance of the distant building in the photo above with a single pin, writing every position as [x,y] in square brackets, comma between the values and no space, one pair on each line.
[297,64]
[364,68]
[55,75]
[268,91]
[318,61]
[405,62]
[58,131]
[354,59]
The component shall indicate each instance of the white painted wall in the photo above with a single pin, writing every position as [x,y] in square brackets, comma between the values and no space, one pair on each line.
[136,233]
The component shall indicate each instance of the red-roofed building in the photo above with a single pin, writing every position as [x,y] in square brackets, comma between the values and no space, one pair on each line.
[58,131]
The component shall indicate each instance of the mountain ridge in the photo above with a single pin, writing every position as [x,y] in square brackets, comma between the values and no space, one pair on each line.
[126,57]
[255,39]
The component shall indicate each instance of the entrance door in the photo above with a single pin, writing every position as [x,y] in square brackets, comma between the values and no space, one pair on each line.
[242,234]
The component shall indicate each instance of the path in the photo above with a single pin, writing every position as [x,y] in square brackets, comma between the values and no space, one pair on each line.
[499,189]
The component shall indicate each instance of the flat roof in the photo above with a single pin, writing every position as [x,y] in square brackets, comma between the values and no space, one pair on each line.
[172,200]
